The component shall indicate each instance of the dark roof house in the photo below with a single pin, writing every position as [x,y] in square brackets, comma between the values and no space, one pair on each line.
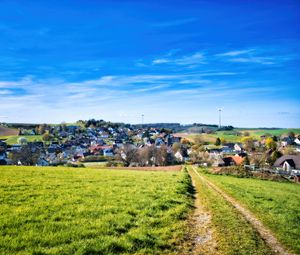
[292,161]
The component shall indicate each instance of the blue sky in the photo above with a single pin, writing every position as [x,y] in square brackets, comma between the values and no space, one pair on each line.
[173,61]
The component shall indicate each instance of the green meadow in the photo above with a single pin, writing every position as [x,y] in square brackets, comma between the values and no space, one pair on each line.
[229,136]
[276,204]
[14,139]
[89,211]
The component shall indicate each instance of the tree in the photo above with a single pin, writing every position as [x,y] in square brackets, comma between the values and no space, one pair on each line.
[223,141]
[46,136]
[199,140]
[28,155]
[22,140]
[42,129]
[128,154]
[274,156]
[271,144]
[186,141]
[218,141]
[291,134]
[289,150]
[248,143]
[176,147]
[246,161]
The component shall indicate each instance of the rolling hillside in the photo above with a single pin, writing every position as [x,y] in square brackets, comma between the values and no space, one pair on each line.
[4,131]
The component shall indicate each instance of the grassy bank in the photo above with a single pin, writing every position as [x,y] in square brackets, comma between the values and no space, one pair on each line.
[88,211]
[276,204]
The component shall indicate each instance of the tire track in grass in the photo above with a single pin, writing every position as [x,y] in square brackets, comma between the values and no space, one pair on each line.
[201,233]
[265,233]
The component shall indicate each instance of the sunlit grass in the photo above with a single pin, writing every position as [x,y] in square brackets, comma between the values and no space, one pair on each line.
[88,211]
[276,204]
[232,232]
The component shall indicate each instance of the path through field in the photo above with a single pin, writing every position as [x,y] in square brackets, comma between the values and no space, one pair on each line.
[202,233]
[265,233]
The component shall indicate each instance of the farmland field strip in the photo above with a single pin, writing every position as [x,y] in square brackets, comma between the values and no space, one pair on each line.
[266,234]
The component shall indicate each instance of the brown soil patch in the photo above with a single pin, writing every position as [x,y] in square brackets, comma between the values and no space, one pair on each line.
[4,131]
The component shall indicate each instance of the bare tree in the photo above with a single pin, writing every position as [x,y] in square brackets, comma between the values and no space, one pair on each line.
[128,154]
[28,155]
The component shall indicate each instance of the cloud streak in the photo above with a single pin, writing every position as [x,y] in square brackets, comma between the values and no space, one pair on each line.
[234,53]
[188,60]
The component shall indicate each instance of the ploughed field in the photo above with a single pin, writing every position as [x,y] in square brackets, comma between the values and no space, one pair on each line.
[59,210]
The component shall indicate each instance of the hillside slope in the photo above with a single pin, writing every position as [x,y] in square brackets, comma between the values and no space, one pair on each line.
[4,131]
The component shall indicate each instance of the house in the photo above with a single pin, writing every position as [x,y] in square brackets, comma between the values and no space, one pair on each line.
[118,142]
[178,156]
[237,159]
[159,141]
[42,162]
[72,129]
[104,135]
[286,140]
[218,162]
[227,149]
[3,158]
[170,139]
[289,163]
[297,141]
[238,147]
[108,152]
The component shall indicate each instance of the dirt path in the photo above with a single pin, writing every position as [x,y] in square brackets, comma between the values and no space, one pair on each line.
[201,235]
[266,234]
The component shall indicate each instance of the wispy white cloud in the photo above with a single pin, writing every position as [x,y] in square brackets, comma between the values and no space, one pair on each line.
[5,92]
[163,97]
[188,60]
[154,88]
[161,61]
[259,60]
[259,55]
[234,53]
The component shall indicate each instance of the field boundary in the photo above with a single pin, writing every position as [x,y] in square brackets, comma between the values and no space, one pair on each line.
[175,168]
[265,233]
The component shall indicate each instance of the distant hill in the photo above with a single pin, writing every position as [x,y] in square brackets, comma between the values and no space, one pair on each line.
[4,131]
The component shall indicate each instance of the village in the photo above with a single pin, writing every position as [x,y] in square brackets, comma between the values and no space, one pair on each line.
[117,144]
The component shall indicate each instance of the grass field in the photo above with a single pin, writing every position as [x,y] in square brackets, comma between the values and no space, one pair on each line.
[14,139]
[89,211]
[234,235]
[277,132]
[276,204]
[229,137]
[211,138]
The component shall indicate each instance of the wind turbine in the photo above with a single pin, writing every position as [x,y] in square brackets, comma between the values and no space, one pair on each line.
[220,119]
[143,119]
